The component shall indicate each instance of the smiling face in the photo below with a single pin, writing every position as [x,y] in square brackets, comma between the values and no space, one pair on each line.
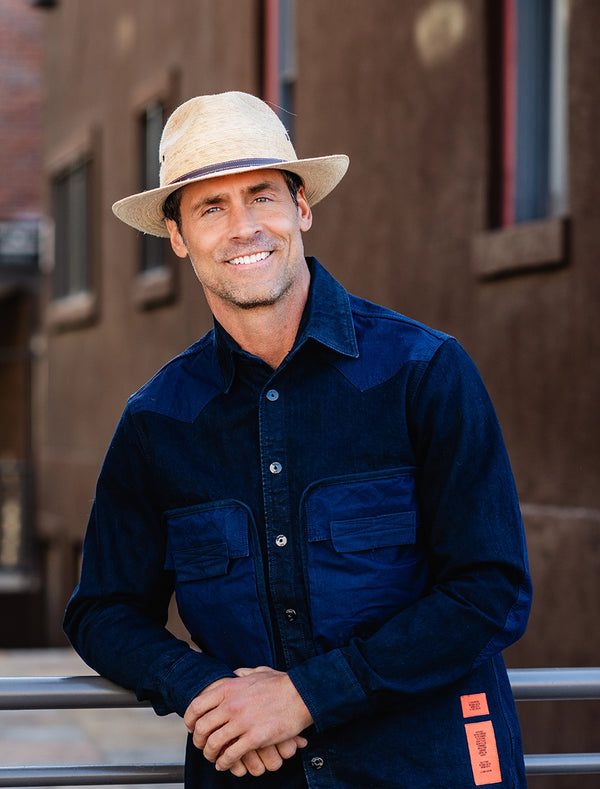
[243,235]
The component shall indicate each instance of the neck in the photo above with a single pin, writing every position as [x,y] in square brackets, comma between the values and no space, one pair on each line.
[268,332]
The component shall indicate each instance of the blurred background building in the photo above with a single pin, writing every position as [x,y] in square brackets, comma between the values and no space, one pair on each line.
[21,189]
[471,204]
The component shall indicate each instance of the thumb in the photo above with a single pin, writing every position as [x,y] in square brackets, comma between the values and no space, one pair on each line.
[244,672]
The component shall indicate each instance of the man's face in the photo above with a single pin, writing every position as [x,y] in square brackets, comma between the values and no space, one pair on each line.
[243,234]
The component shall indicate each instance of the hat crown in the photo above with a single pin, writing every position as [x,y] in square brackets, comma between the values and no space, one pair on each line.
[208,131]
[223,134]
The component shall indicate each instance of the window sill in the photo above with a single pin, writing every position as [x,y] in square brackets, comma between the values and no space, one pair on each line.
[154,288]
[72,312]
[520,248]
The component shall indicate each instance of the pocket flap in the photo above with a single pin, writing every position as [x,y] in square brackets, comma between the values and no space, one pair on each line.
[387,500]
[381,531]
[203,539]
[206,561]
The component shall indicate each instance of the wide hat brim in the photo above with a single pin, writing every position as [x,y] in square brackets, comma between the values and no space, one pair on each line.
[144,211]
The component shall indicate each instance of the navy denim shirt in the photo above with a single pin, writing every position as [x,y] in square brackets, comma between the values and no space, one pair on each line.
[350,518]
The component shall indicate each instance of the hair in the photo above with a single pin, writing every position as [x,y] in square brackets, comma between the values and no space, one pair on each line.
[172,205]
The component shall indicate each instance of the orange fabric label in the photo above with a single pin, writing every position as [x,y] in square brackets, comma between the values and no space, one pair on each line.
[474,705]
[483,752]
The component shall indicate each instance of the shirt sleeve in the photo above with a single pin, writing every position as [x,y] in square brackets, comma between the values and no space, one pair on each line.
[117,615]
[479,596]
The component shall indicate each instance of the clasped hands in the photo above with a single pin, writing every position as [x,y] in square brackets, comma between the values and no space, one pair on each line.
[250,723]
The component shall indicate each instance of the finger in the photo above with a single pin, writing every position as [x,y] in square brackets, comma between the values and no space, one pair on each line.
[256,762]
[224,742]
[206,727]
[253,763]
[237,750]
[244,671]
[287,749]
[207,700]
[271,758]
[238,769]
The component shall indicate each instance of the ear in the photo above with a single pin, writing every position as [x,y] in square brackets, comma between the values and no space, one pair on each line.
[304,211]
[177,240]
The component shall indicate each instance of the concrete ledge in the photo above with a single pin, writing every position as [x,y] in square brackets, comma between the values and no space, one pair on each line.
[520,248]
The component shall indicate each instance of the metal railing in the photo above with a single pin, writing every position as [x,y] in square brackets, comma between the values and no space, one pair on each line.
[93,692]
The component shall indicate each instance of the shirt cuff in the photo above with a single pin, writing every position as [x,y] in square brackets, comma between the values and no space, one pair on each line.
[330,690]
[187,677]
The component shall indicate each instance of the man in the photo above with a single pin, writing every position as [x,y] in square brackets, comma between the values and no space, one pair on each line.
[324,484]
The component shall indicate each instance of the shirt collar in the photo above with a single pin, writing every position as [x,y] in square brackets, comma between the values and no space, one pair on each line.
[327,319]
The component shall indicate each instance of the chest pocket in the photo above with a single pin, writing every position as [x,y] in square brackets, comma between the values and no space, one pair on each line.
[209,549]
[365,558]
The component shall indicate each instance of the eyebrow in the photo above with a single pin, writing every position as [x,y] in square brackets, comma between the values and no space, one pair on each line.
[261,186]
[216,199]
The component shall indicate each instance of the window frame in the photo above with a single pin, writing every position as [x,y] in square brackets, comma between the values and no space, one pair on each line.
[153,286]
[279,72]
[72,309]
[509,246]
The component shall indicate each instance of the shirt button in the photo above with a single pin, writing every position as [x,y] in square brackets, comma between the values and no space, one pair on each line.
[290,615]
[275,468]
[281,541]
[272,395]
[316,762]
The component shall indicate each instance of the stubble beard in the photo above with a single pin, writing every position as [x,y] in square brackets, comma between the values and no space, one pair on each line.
[239,297]
[244,301]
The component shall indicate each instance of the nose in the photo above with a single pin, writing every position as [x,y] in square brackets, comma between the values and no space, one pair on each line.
[243,222]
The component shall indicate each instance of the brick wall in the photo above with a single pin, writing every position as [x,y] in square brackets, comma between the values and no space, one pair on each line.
[20,109]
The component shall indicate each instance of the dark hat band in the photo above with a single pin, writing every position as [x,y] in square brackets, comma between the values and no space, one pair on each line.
[230,165]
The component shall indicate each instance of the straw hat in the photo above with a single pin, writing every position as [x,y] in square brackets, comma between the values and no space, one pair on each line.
[223,134]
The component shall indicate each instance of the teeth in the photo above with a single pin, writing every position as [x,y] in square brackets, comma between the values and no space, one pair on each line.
[245,260]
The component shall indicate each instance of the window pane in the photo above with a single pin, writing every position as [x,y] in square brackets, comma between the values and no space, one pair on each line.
[540,133]
[152,249]
[533,109]
[77,230]
[558,109]
[71,216]
[287,61]
[59,206]
[152,134]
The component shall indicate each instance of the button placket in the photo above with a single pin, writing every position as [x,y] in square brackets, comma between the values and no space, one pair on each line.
[284,573]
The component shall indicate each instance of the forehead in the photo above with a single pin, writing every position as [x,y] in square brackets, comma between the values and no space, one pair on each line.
[227,184]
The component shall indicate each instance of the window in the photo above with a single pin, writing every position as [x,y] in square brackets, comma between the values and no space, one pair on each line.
[156,281]
[279,62]
[70,244]
[527,227]
[535,111]
[71,209]
[152,248]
